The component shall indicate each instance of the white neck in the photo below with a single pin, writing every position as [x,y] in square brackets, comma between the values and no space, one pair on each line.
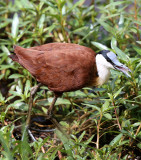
[103,69]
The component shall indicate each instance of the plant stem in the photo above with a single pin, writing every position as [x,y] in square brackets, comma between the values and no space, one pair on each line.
[136,134]
[98,128]
[62,22]
[137,25]
[116,115]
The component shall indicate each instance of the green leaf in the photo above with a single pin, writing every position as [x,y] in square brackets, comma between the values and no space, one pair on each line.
[5,50]
[7,67]
[80,2]
[59,101]
[41,21]
[2,99]
[137,49]
[80,30]
[14,76]
[121,54]
[139,145]
[92,106]
[121,22]
[113,43]
[1,76]
[24,4]
[107,115]
[107,27]
[5,146]
[15,93]
[118,92]
[100,46]
[113,4]
[27,88]
[15,25]
[68,144]
[77,94]
[136,124]
[116,140]
[139,42]
[26,41]
[89,140]
[2,116]
[81,136]
[105,106]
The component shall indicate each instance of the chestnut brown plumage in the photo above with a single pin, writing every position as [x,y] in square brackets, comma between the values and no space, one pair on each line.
[62,67]
[67,67]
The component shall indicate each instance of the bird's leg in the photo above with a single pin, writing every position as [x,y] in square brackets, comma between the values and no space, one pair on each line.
[52,119]
[49,112]
[32,93]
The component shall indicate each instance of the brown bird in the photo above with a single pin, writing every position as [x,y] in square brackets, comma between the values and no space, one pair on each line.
[65,67]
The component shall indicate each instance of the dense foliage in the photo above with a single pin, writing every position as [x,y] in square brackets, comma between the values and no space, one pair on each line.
[103,123]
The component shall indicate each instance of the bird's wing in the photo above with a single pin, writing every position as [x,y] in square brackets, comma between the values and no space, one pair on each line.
[67,69]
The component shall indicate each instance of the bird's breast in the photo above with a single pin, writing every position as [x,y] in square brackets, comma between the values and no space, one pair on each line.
[103,75]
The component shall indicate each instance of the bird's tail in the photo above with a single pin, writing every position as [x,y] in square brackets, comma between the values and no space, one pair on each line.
[27,57]
[13,56]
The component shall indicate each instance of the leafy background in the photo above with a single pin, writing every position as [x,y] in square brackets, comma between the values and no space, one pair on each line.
[103,123]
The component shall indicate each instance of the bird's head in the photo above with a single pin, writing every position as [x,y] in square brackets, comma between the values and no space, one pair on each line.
[108,59]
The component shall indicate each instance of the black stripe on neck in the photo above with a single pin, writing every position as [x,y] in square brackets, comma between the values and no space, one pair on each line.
[104,53]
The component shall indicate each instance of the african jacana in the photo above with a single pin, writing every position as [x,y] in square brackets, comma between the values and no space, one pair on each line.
[67,67]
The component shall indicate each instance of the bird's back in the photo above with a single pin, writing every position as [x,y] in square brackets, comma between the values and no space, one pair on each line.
[60,66]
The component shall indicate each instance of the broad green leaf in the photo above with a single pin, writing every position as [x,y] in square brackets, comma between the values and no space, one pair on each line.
[5,50]
[113,43]
[121,22]
[19,90]
[113,4]
[8,154]
[107,115]
[14,76]
[41,21]
[27,88]
[1,76]
[107,27]
[15,93]
[81,136]
[24,4]
[81,29]
[27,41]
[2,99]
[89,140]
[92,106]
[75,5]
[7,67]
[121,54]
[59,101]
[4,24]
[100,46]
[137,49]
[139,42]
[2,116]
[116,140]
[118,92]
[15,25]
[77,94]
[68,144]
[139,145]
[136,124]
[105,106]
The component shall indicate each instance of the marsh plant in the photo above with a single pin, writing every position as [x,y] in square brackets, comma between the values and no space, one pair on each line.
[102,123]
